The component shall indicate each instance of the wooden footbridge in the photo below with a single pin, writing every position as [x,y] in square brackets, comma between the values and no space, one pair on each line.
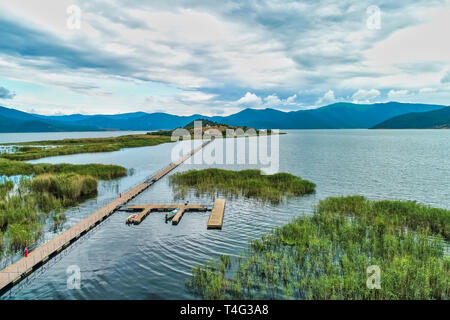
[18,271]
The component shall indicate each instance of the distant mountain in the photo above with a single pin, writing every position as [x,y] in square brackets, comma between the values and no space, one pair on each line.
[12,120]
[334,116]
[436,119]
[128,121]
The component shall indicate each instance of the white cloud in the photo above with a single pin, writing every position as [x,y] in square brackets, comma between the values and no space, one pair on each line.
[250,100]
[395,94]
[365,96]
[424,41]
[291,99]
[274,101]
[427,90]
[270,101]
[327,98]
[195,96]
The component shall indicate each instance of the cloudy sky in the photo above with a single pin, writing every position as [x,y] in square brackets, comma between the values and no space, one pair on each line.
[218,57]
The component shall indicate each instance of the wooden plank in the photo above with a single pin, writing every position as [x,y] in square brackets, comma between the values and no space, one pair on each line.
[178,216]
[215,220]
[169,207]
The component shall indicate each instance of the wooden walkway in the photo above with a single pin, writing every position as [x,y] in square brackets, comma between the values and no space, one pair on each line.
[18,271]
[215,220]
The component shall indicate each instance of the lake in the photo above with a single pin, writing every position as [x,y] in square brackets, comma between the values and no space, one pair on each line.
[153,260]
[33,136]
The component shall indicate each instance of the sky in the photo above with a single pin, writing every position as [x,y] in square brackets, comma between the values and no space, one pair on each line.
[219,57]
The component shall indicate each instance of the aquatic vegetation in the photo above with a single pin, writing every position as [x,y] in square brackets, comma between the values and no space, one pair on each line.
[70,188]
[396,214]
[101,171]
[20,219]
[23,234]
[248,183]
[24,212]
[84,145]
[326,256]
[5,187]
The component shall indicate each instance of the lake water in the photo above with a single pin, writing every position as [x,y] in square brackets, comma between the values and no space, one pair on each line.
[153,260]
[32,136]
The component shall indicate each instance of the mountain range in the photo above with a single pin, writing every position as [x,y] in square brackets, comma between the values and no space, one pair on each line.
[335,116]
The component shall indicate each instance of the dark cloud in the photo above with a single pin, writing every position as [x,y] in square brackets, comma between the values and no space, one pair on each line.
[21,41]
[6,94]
[312,61]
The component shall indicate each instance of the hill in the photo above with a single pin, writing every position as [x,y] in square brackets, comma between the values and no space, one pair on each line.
[436,119]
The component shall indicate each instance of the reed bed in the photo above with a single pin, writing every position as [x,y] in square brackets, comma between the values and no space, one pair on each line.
[100,171]
[249,183]
[29,151]
[392,213]
[24,212]
[69,188]
[326,256]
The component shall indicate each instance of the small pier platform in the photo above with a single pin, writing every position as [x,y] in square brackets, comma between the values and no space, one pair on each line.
[145,210]
[215,220]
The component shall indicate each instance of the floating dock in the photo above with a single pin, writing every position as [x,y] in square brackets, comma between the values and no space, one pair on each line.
[144,211]
[215,220]
[18,271]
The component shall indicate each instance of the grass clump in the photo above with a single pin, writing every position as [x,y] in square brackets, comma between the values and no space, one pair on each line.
[20,219]
[326,256]
[5,188]
[22,235]
[249,183]
[69,188]
[100,171]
